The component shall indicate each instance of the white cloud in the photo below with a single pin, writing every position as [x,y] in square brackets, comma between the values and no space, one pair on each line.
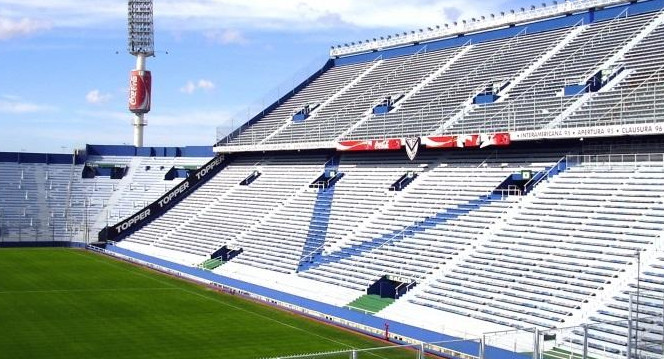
[205,85]
[15,105]
[238,15]
[226,37]
[190,87]
[95,97]
[11,28]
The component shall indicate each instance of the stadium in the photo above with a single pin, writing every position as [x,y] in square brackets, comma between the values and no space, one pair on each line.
[486,189]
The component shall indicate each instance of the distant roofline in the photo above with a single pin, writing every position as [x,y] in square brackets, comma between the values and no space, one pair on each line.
[475,25]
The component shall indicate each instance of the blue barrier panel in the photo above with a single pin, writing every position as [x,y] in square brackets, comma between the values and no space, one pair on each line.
[110,150]
[144,152]
[9,157]
[197,151]
[485,99]
[587,17]
[299,117]
[573,90]
[381,109]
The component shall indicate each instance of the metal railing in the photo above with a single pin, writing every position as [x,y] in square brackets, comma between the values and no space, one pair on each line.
[624,43]
[484,23]
[427,109]
[437,67]
[560,166]
[649,92]
[371,94]
[554,43]
[239,119]
[613,160]
[416,350]
[226,138]
[507,115]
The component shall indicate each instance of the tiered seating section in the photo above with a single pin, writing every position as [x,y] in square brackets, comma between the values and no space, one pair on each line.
[635,221]
[403,238]
[554,257]
[486,64]
[537,100]
[569,241]
[52,202]
[321,89]
[393,77]
[468,253]
[527,72]
[643,90]
[222,209]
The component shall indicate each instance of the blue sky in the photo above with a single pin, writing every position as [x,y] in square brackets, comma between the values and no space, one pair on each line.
[64,66]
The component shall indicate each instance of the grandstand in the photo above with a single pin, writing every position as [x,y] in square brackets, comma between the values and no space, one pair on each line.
[529,199]
[64,198]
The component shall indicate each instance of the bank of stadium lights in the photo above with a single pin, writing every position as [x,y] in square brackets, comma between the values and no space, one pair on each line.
[141,28]
[483,23]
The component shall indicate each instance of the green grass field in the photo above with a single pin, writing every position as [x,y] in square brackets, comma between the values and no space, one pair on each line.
[372,303]
[61,303]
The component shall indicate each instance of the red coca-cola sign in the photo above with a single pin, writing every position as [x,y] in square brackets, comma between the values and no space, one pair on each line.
[140,87]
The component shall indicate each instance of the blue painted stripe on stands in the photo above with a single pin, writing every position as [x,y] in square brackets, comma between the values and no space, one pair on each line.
[320,217]
[401,329]
[408,231]
[320,220]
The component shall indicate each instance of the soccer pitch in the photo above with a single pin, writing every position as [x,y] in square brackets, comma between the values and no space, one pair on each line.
[64,303]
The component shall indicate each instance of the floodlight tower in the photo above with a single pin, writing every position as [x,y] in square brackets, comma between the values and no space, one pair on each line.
[141,45]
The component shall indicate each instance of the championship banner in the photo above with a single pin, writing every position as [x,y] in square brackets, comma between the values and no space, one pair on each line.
[463,141]
[440,141]
[413,144]
[496,139]
[468,141]
[592,131]
[370,145]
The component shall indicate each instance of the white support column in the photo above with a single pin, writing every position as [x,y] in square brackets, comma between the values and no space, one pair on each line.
[585,341]
[630,329]
[140,62]
[139,124]
[482,351]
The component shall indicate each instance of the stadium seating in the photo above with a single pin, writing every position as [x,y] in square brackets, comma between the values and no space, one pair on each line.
[448,95]
[642,90]
[537,100]
[327,86]
[223,209]
[381,247]
[609,324]
[438,88]
[393,77]
[70,207]
[363,188]
[572,240]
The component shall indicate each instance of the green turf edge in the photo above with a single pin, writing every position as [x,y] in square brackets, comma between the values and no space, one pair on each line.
[71,347]
[371,303]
